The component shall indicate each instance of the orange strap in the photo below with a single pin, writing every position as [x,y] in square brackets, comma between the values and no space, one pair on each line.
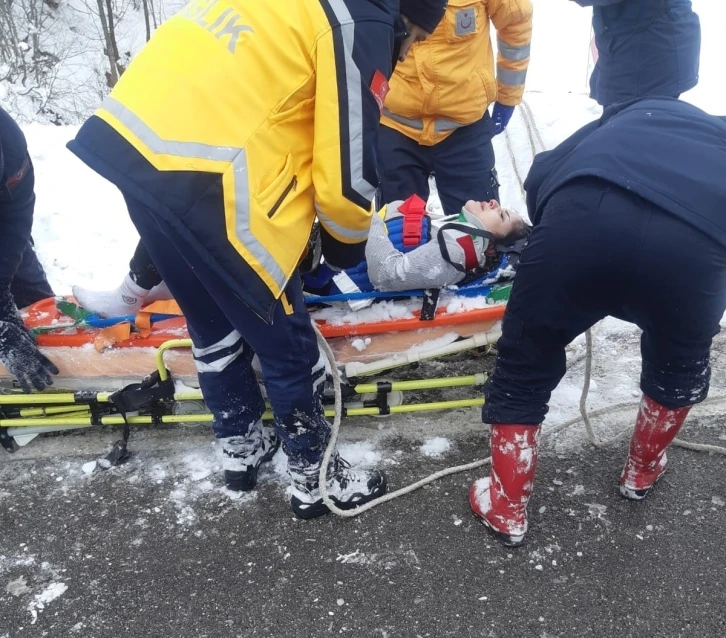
[143,318]
[108,337]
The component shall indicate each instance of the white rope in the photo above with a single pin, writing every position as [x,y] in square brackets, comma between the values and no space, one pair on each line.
[534,138]
[335,429]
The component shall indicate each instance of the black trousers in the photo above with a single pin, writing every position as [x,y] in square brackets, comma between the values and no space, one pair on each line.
[226,334]
[463,165]
[598,251]
[142,269]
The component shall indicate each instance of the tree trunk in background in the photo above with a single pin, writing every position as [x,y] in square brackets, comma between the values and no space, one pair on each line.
[112,77]
[146,19]
[112,34]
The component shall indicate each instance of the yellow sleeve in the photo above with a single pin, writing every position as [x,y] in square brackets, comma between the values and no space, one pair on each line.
[513,22]
[352,60]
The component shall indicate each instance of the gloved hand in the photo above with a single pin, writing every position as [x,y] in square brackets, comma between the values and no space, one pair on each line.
[501,114]
[18,352]
[20,355]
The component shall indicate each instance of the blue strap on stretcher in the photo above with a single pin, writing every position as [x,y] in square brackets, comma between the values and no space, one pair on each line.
[474,288]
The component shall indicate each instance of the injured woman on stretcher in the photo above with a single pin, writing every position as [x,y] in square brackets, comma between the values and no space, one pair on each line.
[407,250]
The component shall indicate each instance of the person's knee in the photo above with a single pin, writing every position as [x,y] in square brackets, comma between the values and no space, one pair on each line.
[530,364]
[294,384]
[676,385]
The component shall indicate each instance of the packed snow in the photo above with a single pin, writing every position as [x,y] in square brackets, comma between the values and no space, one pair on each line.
[436,446]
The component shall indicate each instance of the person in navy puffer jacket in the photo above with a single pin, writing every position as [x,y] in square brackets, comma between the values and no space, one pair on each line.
[629,218]
[645,48]
[22,279]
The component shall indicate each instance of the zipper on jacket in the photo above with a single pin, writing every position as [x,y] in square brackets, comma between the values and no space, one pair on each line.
[291,186]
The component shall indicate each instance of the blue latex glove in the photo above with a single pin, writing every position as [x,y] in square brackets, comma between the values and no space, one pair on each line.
[501,114]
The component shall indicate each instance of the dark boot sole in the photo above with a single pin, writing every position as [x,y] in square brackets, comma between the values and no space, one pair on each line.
[307,511]
[505,539]
[247,481]
[639,495]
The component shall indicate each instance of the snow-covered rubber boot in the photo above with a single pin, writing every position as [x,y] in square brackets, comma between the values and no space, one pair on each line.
[655,428]
[127,299]
[243,455]
[500,500]
[347,488]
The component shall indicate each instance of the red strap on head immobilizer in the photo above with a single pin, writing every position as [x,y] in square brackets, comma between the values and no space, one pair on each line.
[414,210]
[470,259]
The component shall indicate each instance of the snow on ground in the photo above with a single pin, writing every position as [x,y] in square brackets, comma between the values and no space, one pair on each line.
[84,236]
[435,446]
[43,581]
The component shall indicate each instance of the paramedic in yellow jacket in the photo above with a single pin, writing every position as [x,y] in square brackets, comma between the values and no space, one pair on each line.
[436,119]
[236,125]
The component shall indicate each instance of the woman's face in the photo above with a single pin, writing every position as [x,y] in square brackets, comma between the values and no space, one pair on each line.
[497,220]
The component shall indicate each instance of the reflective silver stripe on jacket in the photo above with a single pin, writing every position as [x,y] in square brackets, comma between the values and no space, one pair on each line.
[354,89]
[515,54]
[342,231]
[195,150]
[441,124]
[511,78]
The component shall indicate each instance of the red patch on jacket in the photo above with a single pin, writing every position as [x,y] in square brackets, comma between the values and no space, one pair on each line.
[379,87]
[14,180]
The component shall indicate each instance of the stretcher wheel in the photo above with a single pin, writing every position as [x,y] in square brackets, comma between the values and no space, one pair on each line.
[190,408]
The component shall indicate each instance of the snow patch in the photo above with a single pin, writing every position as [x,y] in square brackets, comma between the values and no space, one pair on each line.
[362,454]
[361,344]
[89,467]
[47,596]
[435,446]
[17,587]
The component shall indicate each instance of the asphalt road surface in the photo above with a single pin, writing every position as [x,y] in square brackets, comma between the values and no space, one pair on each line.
[157,548]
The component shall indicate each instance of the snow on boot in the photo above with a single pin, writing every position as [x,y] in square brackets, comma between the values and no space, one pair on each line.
[347,488]
[655,428]
[127,299]
[500,500]
[160,292]
[243,455]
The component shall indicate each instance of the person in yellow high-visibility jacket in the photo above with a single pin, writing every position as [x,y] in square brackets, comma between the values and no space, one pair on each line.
[236,125]
[436,119]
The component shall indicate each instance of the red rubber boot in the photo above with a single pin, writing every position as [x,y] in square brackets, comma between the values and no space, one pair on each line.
[500,499]
[655,428]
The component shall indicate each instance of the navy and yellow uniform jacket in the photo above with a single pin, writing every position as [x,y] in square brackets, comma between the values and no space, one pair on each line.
[273,107]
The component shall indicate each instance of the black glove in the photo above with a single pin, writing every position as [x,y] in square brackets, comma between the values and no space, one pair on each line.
[311,259]
[18,352]
[20,355]
[339,256]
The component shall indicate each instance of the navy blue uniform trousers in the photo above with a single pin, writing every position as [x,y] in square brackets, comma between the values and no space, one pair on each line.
[463,165]
[598,251]
[226,335]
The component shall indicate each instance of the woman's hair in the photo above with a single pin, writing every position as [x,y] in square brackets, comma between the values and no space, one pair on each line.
[520,229]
